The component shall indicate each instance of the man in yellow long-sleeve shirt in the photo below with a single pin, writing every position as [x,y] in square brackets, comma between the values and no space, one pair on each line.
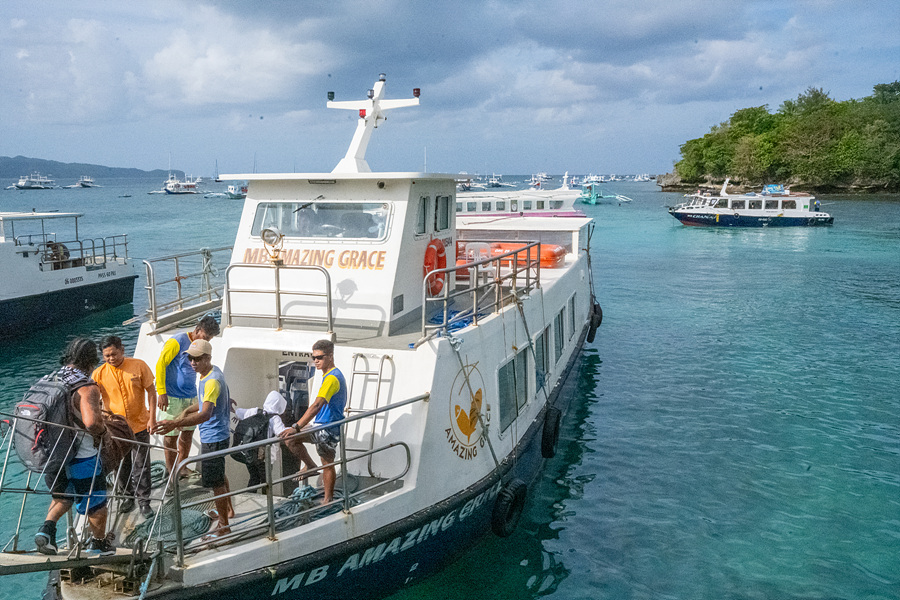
[176,386]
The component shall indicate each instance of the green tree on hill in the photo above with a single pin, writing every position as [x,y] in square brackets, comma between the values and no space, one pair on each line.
[812,140]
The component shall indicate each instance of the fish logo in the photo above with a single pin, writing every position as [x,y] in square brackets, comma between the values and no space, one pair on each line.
[465,433]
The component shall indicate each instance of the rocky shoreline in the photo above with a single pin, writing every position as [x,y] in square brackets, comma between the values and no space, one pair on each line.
[671,182]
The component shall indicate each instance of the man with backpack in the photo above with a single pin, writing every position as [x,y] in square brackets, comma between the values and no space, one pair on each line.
[79,479]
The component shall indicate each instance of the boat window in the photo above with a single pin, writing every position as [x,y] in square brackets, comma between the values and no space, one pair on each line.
[542,356]
[556,204]
[526,204]
[501,205]
[459,207]
[512,383]
[559,334]
[771,204]
[422,217]
[471,206]
[539,204]
[757,204]
[441,213]
[738,204]
[571,316]
[722,203]
[358,220]
[486,206]
[788,204]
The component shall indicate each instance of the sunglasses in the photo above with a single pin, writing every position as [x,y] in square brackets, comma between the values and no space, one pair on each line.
[194,358]
[319,356]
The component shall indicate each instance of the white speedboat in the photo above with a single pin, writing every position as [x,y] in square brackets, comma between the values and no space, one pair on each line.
[176,186]
[51,274]
[457,373]
[236,192]
[775,206]
[35,181]
[86,181]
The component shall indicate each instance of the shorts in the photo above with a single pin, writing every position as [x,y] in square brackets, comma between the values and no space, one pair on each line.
[176,407]
[73,484]
[212,470]
[326,441]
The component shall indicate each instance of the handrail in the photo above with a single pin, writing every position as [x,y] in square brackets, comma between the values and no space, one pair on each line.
[271,521]
[278,315]
[193,291]
[524,260]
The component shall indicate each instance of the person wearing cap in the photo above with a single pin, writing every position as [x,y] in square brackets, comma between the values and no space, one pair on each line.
[176,387]
[211,416]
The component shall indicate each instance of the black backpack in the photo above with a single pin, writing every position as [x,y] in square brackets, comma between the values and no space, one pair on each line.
[252,429]
[39,445]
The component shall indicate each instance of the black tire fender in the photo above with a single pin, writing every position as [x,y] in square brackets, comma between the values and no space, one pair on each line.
[550,435]
[596,320]
[508,508]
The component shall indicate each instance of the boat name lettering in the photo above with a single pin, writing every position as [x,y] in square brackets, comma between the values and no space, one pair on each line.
[401,543]
[462,451]
[106,274]
[74,280]
[306,257]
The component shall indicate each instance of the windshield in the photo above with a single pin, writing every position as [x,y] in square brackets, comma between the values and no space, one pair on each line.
[347,220]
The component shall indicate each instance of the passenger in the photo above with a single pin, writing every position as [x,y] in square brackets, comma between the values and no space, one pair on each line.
[328,407]
[81,478]
[126,385]
[274,405]
[177,387]
[211,417]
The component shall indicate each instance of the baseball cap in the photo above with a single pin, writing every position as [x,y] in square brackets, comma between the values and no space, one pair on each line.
[199,348]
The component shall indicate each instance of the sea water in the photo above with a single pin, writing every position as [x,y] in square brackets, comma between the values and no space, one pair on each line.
[736,428]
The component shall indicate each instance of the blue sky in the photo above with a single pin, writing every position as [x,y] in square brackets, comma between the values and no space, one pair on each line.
[588,86]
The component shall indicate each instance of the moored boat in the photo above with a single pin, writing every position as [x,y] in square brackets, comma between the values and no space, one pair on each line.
[236,192]
[775,206]
[51,274]
[592,193]
[35,181]
[176,186]
[457,379]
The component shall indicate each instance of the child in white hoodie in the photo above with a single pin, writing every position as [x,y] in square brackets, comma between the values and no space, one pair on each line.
[274,406]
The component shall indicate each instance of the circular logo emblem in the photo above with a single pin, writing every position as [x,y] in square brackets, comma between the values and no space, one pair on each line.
[466,403]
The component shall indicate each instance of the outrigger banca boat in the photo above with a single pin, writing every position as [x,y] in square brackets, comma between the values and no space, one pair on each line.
[458,375]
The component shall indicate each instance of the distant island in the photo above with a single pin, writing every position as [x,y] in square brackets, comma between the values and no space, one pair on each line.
[812,142]
[17,166]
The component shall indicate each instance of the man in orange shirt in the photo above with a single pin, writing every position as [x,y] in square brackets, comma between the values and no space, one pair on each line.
[126,386]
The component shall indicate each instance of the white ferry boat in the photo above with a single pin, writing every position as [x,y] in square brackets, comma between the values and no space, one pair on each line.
[458,376]
[775,206]
[236,192]
[51,274]
[35,181]
[176,186]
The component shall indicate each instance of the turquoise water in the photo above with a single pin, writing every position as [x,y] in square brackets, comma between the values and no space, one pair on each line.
[736,433]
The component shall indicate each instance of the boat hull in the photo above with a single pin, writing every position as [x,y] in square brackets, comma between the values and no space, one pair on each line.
[20,316]
[401,554]
[701,219]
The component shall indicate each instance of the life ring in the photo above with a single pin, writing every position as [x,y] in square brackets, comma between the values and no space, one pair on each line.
[596,320]
[508,508]
[550,435]
[435,258]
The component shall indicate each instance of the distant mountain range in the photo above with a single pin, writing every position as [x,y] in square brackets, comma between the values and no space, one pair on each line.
[13,168]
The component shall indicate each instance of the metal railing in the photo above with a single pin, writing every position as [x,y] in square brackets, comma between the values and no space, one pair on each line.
[180,286]
[90,252]
[276,291]
[271,521]
[493,283]
[76,540]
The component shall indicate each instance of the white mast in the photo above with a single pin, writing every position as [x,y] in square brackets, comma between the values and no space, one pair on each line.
[371,113]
